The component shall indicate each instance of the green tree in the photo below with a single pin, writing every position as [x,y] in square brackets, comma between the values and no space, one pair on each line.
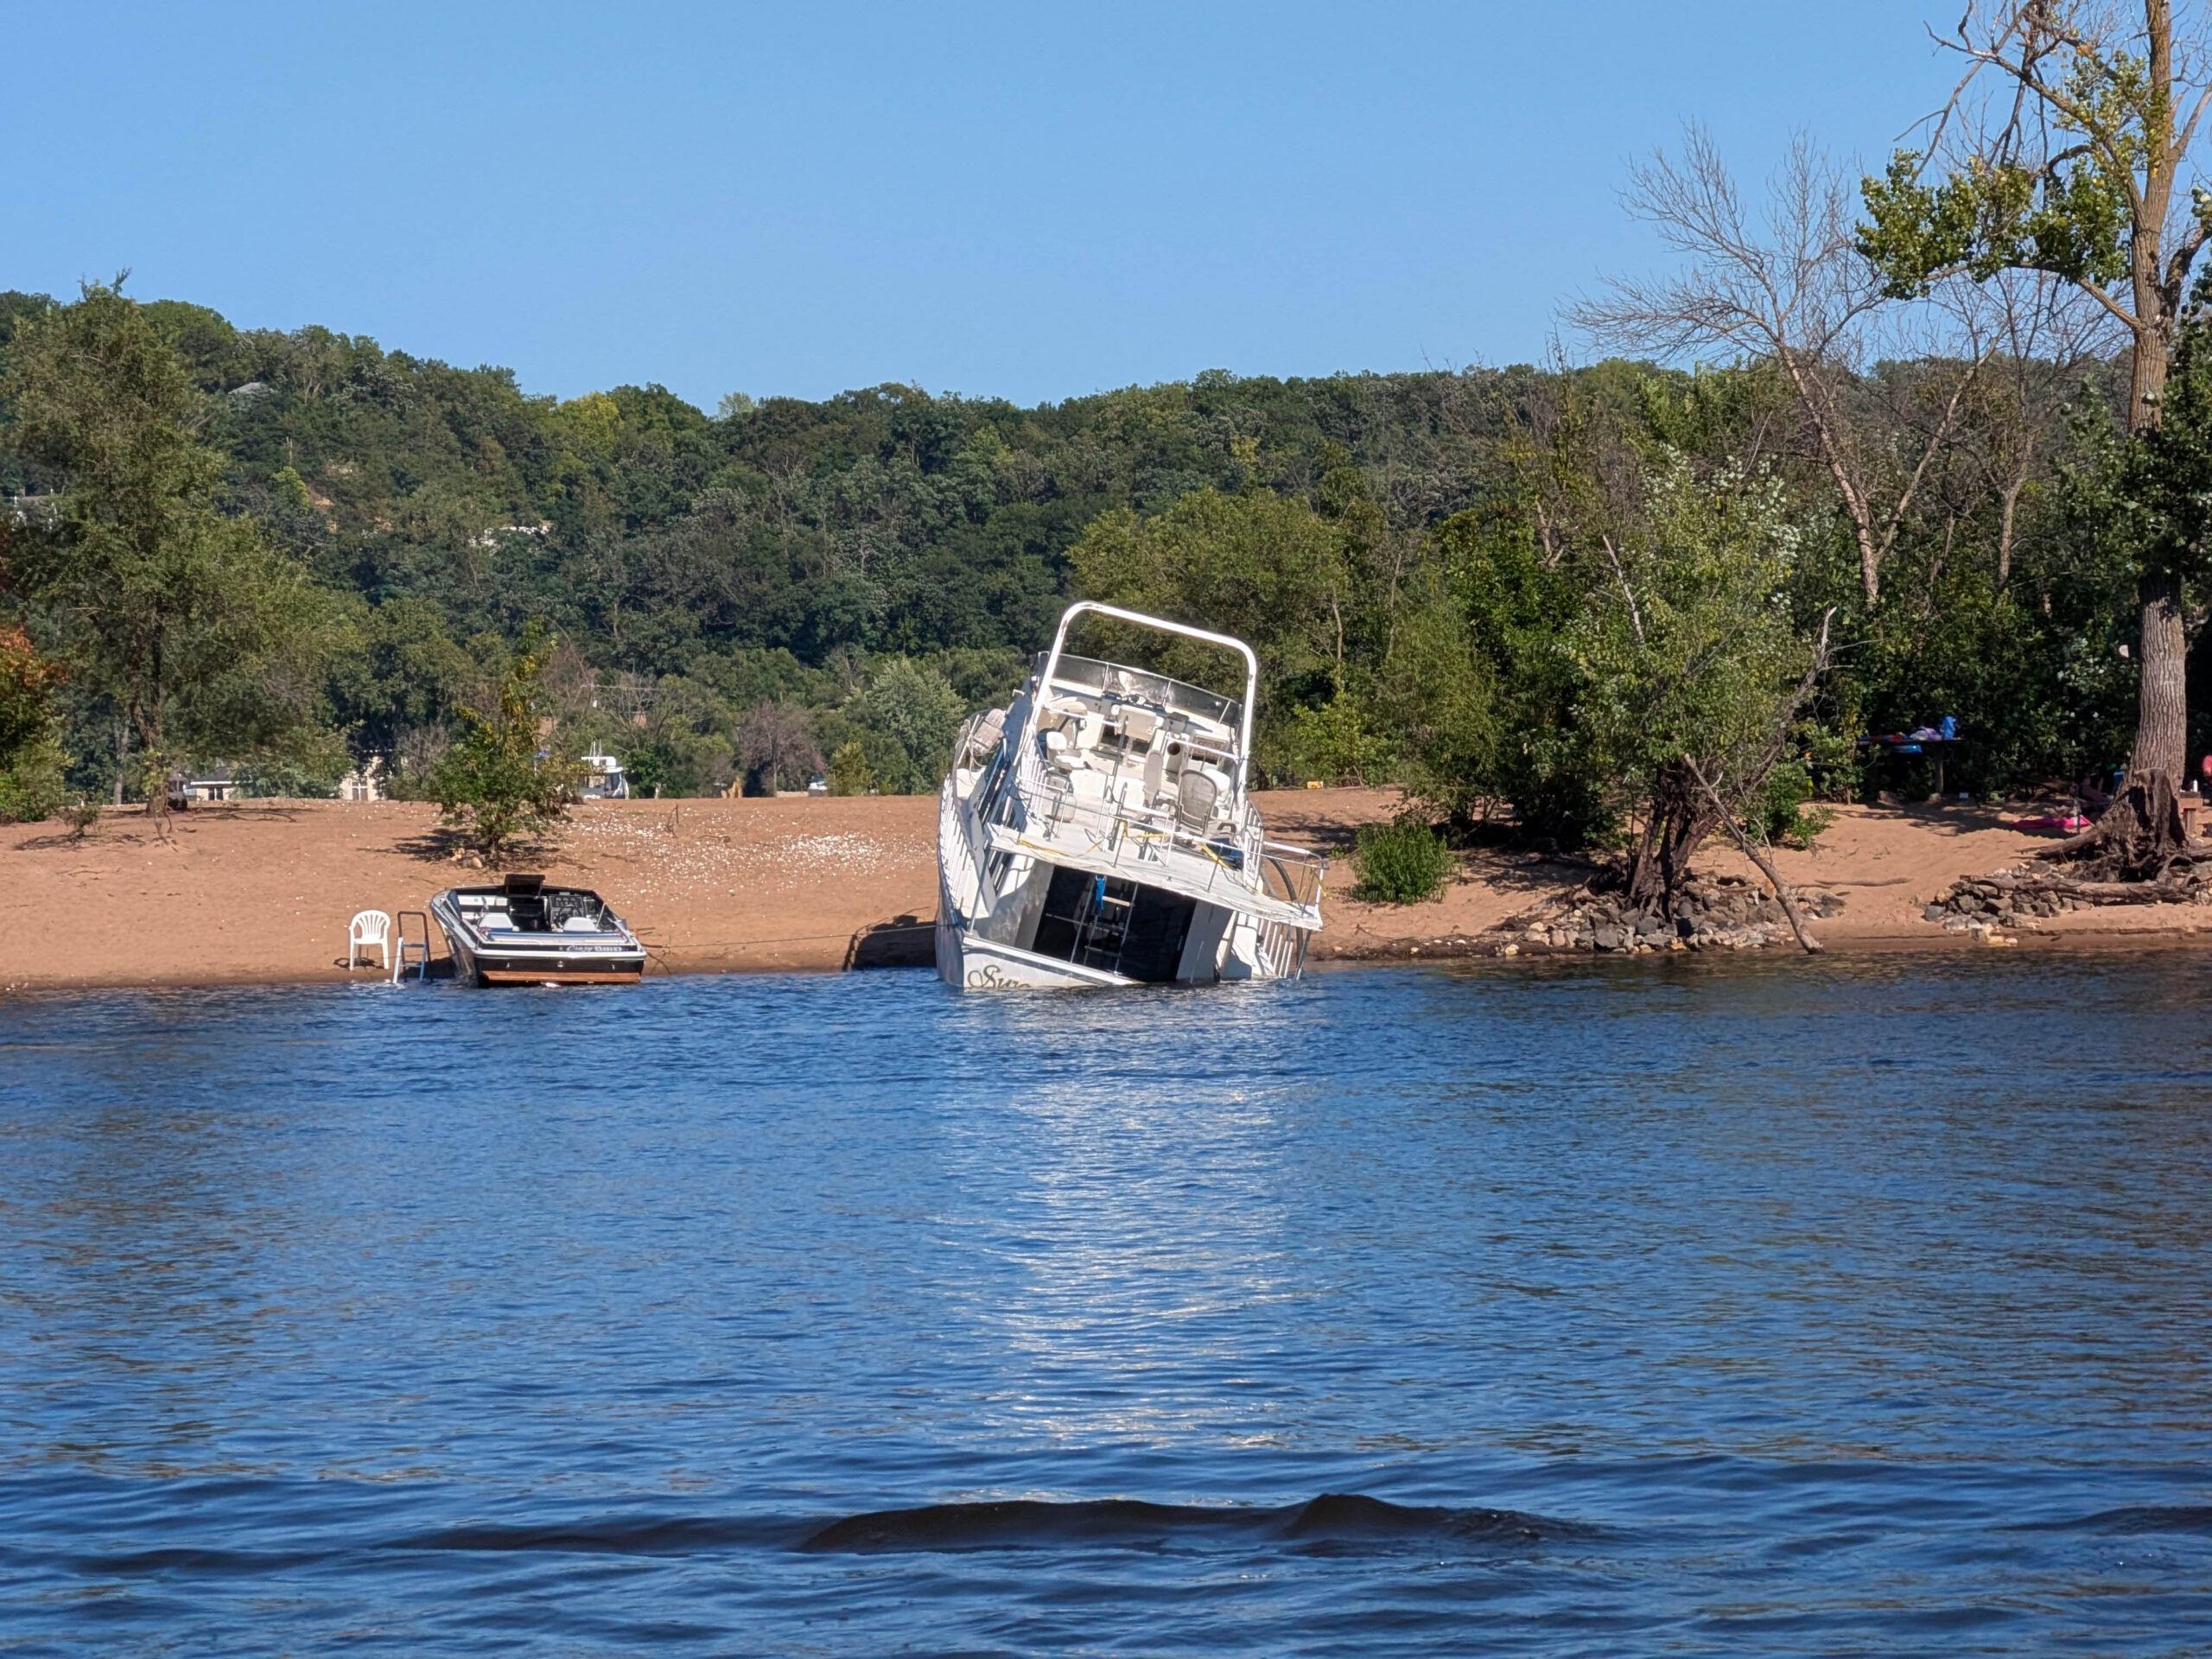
[1265,569]
[2076,160]
[914,715]
[207,638]
[396,671]
[504,779]
[849,769]
[1531,751]
[31,758]
[1691,670]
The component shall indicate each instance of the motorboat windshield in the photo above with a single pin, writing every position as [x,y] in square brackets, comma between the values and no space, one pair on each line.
[524,903]
[1089,674]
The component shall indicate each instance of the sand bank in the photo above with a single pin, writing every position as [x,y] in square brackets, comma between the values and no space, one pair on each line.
[1885,863]
[262,890]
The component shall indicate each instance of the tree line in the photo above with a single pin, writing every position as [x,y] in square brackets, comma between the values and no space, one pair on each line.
[1943,456]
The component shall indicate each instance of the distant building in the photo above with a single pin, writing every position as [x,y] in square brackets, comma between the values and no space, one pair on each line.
[218,783]
[365,783]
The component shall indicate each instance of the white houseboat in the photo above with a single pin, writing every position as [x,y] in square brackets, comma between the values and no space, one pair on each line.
[1100,831]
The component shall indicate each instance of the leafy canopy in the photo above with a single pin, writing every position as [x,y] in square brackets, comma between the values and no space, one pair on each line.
[207,638]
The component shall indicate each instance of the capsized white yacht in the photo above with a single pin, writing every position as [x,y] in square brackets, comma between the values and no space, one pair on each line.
[1100,831]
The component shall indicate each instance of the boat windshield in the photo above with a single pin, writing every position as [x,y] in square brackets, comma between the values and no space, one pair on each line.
[1136,684]
[556,910]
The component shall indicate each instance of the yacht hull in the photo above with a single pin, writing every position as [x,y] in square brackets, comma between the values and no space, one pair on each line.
[979,964]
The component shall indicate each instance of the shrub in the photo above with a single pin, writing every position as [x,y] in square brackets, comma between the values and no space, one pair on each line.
[1785,812]
[31,786]
[1402,863]
[850,773]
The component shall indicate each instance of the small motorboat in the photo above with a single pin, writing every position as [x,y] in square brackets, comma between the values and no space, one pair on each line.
[523,932]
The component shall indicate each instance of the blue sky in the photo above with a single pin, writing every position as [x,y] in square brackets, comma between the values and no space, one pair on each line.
[1035,201]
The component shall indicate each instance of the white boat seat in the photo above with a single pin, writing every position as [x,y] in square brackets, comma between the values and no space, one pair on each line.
[579,924]
[1195,795]
[1138,725]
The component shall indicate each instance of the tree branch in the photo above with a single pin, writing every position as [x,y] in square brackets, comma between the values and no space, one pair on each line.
[1742,841]
[1936,440]
[1621,576]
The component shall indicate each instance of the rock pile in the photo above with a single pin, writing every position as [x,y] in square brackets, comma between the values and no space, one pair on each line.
[1718,913]
[1981,903]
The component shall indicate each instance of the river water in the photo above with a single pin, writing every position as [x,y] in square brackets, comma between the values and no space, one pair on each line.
[1777,1306]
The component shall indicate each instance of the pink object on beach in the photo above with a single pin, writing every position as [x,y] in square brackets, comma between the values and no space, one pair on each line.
[2068,824]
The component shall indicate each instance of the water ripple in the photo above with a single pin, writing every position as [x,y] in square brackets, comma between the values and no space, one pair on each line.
[1786,1307]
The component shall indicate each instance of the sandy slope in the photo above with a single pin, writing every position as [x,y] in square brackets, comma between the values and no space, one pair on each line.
[1886,863]
[262,891]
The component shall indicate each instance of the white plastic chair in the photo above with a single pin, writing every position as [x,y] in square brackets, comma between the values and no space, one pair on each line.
[369,927]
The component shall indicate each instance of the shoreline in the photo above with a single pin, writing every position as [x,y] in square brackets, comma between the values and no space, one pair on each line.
[2079,943]
[260,891]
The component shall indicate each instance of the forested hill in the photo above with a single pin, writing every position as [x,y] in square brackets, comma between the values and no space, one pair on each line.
[1427,563]
[881,520]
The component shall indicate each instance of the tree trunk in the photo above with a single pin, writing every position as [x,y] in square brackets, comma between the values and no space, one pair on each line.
[2162,705]
[2012,507]
[2136,840]
[2140,837]
[1681,819]
[2146,378]
[2141,832]
[1765,864]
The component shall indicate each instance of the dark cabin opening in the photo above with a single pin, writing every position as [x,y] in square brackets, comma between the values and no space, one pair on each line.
[1103,922]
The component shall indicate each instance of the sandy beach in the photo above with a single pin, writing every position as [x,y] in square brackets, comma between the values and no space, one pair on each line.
[262,890]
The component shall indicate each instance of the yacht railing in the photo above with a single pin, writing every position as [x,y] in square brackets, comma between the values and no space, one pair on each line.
[1140,839]
[1090,674]
[1291,874]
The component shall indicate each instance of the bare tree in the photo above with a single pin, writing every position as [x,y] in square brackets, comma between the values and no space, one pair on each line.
[776,739]
[2037,337]
[1795,292]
